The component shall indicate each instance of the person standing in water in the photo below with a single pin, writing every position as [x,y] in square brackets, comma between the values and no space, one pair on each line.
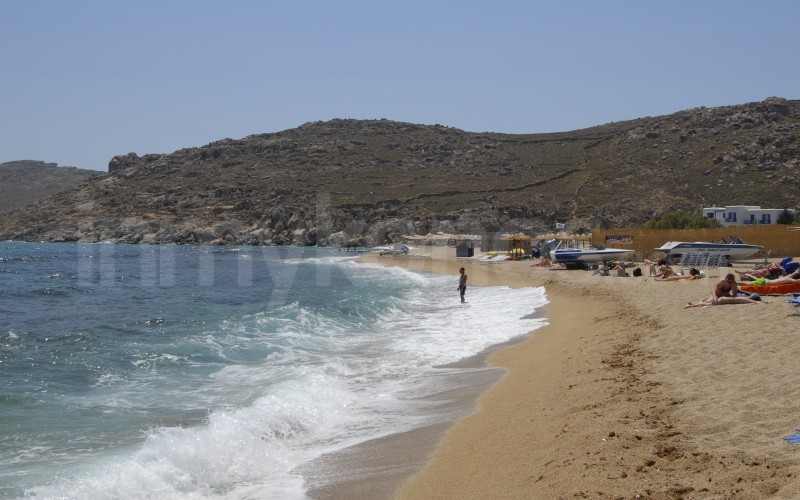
[462,283]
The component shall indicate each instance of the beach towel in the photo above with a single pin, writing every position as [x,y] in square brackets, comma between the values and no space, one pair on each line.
[786,288]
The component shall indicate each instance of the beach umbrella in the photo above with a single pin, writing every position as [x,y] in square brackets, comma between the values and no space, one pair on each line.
[564,236]
[517,236]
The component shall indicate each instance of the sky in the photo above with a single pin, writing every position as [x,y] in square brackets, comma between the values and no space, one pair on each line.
[84,80]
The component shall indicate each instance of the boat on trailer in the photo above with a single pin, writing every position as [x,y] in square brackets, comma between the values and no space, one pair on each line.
[578,257]
[735,249]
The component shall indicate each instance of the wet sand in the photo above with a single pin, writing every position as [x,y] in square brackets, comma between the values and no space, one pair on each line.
[623,393]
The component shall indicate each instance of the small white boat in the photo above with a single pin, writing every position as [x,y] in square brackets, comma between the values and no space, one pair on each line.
[588,254]
[731,251]
[395,249]
[576,258]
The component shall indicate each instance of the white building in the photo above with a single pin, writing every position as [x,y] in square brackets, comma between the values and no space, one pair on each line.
[741,215]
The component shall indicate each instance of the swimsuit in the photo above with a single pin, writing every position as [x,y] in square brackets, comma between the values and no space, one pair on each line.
[724,290]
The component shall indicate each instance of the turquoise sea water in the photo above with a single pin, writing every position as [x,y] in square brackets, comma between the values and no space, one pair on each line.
[215,372]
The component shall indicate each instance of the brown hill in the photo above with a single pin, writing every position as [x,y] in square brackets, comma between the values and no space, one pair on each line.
[26,181]
[370,181]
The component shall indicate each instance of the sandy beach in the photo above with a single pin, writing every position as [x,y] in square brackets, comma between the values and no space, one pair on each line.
[624,394]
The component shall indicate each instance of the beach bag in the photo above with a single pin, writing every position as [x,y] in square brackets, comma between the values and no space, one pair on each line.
[637,271]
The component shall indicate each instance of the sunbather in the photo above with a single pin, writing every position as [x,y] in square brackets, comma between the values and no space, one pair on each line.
[770,272]
[544,262]
[663,272]
[783,280]
[694,274]
[723,301]
[792,278]
[603,270]
[656,268]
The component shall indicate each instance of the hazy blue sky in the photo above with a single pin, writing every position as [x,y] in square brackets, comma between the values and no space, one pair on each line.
[82,81]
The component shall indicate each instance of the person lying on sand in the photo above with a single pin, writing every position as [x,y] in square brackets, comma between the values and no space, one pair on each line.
[772,271]
[694,274]
[783,280]
[723,301]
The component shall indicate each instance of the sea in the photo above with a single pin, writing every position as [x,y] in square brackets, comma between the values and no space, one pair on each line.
[164,371]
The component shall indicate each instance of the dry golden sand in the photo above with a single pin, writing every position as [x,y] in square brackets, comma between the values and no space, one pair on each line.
[625,395]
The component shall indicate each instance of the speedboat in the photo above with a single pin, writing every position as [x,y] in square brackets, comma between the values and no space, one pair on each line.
[577,257]
[731,251]
[588,254]
[395,249]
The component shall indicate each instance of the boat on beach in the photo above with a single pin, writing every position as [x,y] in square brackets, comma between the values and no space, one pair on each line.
[395,249]
[733,250]
[588,254]
[577,257]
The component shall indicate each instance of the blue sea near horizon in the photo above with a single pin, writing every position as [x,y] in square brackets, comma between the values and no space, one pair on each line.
[135,371]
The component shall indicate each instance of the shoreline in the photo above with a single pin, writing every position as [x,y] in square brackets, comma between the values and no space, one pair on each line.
[623,393]
[378,467]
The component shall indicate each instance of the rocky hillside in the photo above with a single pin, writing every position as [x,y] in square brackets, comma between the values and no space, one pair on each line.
[370,181]
[26,181]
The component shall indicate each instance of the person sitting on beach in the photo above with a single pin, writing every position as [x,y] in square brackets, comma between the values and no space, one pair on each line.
[603,270]
[725,287]
[663,272]
[694,274]
[620,269]
[659,268]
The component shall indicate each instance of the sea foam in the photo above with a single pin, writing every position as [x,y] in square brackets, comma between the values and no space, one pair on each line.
[233,405]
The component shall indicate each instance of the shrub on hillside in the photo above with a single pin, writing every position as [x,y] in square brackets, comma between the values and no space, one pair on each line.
[786,217]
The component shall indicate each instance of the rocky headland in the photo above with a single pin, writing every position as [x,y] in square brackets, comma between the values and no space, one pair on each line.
[369,182]
[26,181]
